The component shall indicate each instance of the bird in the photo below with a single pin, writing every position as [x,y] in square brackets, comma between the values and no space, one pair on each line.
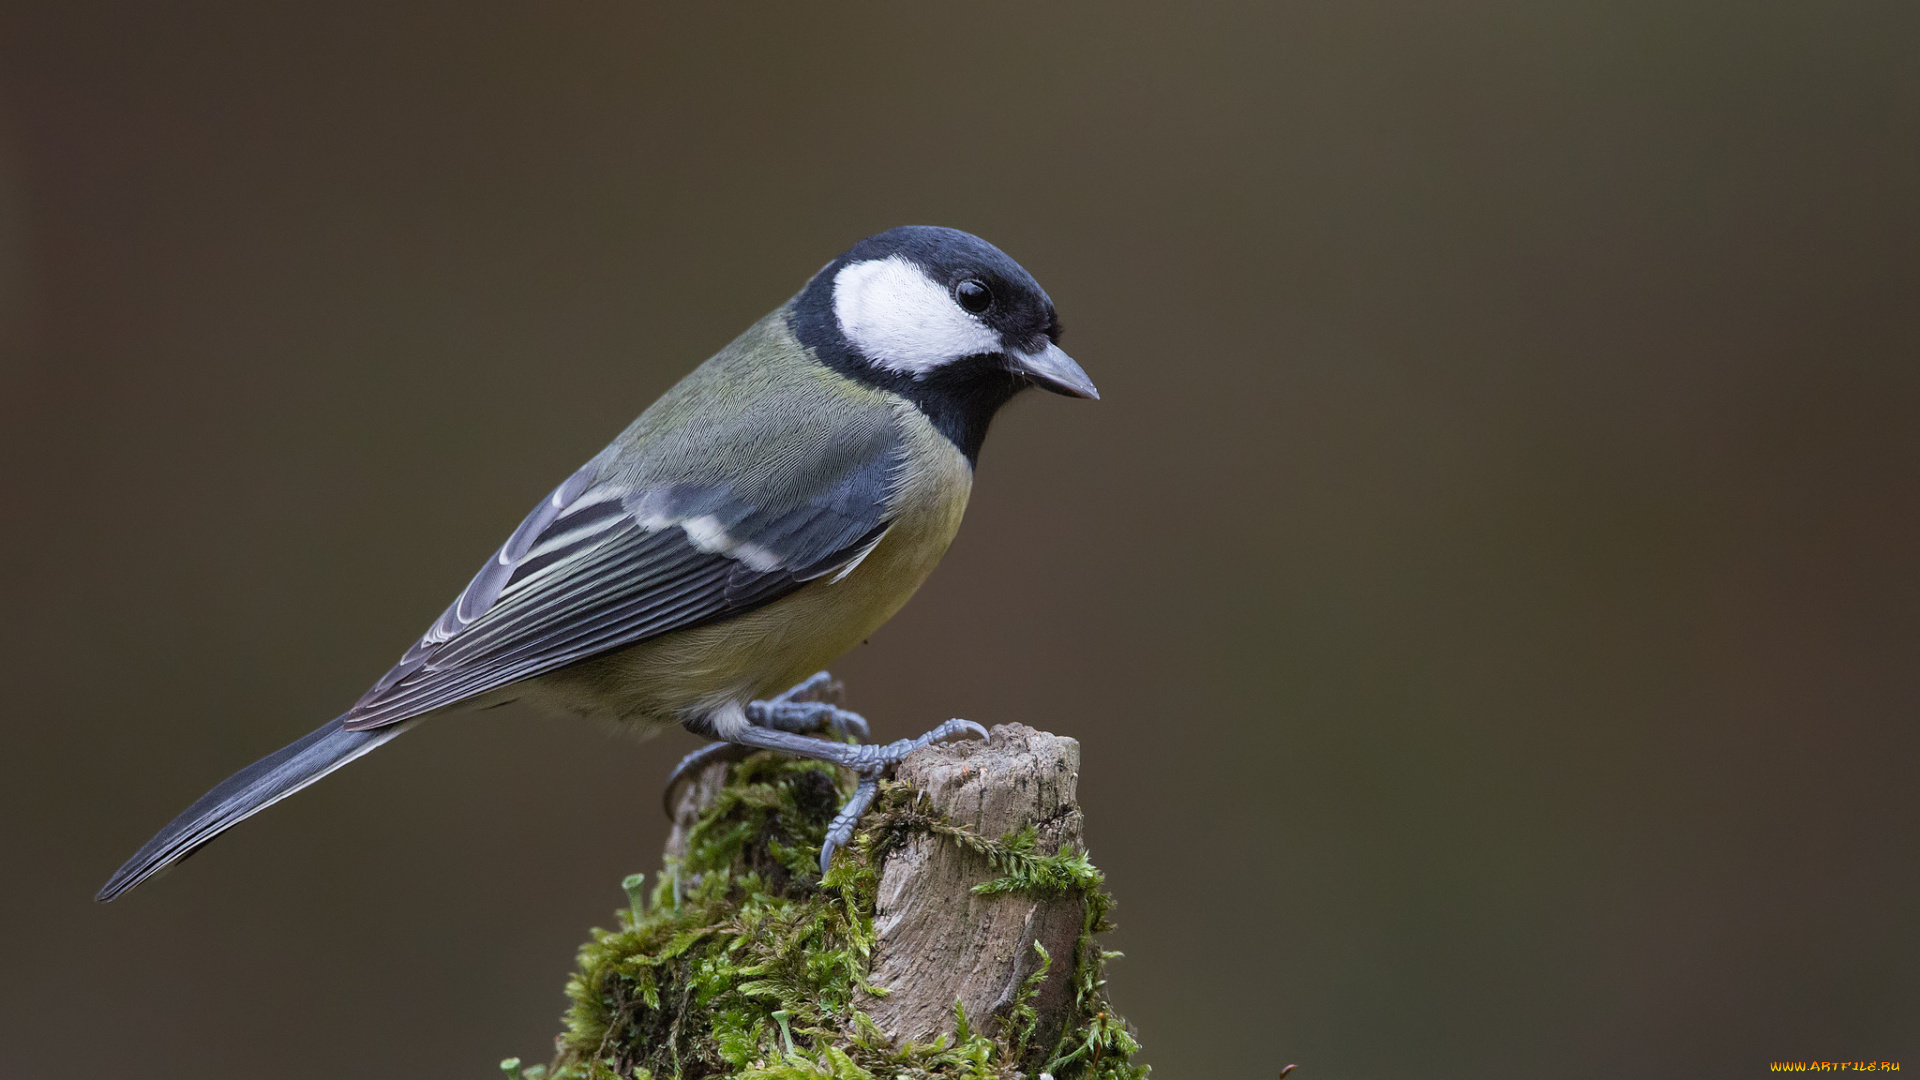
[770,511]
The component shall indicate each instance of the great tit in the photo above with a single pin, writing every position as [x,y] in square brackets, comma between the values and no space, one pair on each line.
[770,511]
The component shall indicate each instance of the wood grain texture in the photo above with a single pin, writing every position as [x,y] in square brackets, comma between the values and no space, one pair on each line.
[938,941]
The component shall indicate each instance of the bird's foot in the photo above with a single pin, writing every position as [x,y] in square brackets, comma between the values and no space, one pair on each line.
[800,710]
[786,723]
[876,760]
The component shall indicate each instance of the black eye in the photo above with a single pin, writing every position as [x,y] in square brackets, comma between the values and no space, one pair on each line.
[973,295]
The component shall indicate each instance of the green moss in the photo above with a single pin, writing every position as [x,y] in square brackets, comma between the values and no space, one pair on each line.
[744,963]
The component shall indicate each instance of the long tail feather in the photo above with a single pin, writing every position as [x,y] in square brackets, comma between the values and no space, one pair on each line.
[245,794]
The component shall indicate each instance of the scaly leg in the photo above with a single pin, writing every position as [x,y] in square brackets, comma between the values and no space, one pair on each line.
[868,761]
[796,711]
[774,725]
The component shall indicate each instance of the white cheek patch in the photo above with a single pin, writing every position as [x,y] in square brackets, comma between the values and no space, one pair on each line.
[902,320]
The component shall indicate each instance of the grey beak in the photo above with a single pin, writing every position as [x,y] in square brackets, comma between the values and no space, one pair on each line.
[1054,370]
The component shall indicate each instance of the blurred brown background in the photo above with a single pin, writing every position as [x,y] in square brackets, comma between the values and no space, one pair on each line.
[1487,595]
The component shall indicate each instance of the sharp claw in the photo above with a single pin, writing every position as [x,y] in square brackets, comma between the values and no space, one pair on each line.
[840,830]
[967,726]
[853,724]
[693,763]
[949,730]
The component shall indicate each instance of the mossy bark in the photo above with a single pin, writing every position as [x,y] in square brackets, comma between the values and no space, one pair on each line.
[955,937]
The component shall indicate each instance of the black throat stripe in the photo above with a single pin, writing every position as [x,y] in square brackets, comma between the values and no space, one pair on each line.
[960,398]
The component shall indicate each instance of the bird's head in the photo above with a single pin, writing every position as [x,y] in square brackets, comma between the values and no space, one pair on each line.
[941,317]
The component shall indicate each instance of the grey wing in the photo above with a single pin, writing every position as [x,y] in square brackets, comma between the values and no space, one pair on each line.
[598,566]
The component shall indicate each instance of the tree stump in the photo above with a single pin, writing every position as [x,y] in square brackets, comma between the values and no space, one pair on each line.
[915,957]
[938,941]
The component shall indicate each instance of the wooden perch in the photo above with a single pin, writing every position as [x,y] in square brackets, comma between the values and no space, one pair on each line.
[938,941]
[916,957]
